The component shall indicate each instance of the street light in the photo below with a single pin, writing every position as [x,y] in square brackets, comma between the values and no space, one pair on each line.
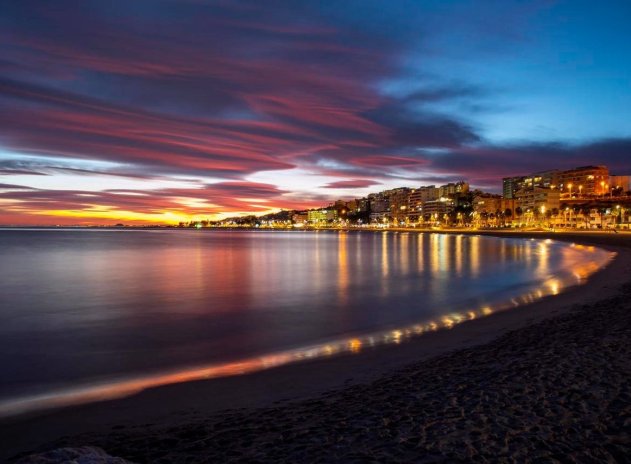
[569,186]
[580,191]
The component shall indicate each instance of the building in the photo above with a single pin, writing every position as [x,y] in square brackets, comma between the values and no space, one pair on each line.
[538,200]
[399,199]
[300,217]
[620,184]
[487,203]
[421,195]
[358,205]
[584,181]
[448,190]
[321,216]
[544,179]
[510,186]
[418,197]
[435,210]
[378,202]
[508,204]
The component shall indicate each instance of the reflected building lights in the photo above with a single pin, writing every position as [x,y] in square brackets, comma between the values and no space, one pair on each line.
[385,270]
[421,252]
[585,262]
[474,264]
[355,345]
[403,251]
[444,252]
[459,255]
[342,266]
[434,254]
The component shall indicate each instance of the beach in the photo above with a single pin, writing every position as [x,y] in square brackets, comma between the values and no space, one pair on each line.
[546,381]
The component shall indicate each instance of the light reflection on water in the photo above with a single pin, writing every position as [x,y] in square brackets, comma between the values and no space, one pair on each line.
[88,316]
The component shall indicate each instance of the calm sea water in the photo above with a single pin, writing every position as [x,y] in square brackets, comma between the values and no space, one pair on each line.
[88,306]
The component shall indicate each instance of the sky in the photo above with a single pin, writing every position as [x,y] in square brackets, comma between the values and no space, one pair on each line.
[163,111]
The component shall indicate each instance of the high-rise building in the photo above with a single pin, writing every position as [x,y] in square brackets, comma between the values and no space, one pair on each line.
[421,195]
[378,202]
[538,199]
[544,179]
[379,206]
[438,208]
[510,186]
[584,181]
[399,200]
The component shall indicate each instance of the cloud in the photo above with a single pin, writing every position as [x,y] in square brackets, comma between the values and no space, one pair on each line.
[159,205]
[486,165]
[222,91]
[352,184]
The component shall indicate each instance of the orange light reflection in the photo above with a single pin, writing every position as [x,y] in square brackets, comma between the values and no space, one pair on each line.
[584,261]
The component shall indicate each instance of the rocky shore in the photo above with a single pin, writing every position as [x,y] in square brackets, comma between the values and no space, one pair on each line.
[556,390]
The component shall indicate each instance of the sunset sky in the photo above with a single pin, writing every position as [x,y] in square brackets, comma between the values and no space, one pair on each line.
[168,110]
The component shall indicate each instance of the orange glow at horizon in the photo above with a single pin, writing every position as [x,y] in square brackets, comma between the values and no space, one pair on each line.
[104,215]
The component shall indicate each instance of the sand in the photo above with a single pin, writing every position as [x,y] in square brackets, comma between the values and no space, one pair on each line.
[544,382]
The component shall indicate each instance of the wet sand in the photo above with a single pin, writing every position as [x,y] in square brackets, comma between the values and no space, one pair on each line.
[546,381]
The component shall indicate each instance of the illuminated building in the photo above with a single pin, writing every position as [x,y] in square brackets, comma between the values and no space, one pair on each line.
[544,179]
[510,186]
[438,208]
[321,216]
[300,217]
[447,190]
[421,195]
[399,200]
[585,181]
[379,206]
[487,203]
[508,204]
[621,183]
[417,199]
[359,205]
[538,200]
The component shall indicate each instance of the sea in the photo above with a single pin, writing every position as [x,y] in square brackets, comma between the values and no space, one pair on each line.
[87,313]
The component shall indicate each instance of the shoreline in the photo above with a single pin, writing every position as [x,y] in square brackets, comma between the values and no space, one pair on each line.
[186,402]
[592,260]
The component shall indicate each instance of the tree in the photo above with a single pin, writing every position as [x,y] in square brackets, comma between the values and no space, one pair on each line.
[518,212]
[585,210]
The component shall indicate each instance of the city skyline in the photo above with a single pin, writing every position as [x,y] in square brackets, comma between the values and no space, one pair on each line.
[543,198]
[154,112]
